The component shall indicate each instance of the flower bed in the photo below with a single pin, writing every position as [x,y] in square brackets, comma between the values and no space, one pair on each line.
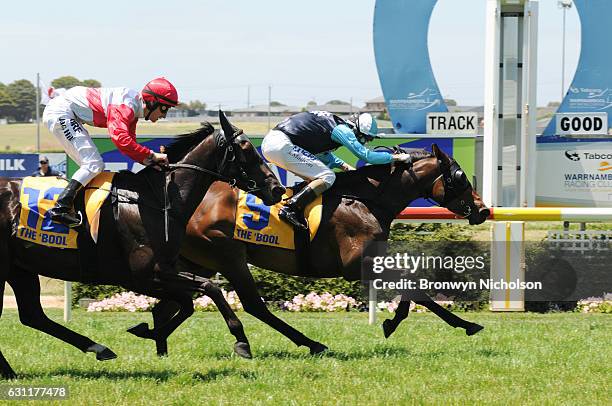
[326,302]
[132,302]
[596,304]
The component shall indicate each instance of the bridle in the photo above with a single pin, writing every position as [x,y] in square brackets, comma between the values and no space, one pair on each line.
[227,162]
[455,184]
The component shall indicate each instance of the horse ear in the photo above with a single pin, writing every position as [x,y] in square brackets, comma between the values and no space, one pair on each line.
[225,124]
[229,130]
[439,153]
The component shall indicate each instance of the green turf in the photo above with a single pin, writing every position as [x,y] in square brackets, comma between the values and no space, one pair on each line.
[22,137]
[517,359]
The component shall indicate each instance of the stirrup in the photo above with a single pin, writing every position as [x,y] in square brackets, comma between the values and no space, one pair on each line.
[290,217]
[60,218]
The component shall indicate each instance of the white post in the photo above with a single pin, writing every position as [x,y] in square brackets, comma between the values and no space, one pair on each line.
[491,101]
[371,303]
[529,90]
[269,105]
[67,301]
[38,113]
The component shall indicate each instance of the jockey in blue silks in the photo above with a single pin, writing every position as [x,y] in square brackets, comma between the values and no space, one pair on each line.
[303,144]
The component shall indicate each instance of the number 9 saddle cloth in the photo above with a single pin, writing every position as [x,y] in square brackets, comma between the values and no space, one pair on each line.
[259,224]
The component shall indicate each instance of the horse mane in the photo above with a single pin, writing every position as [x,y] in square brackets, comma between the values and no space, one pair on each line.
[353,181]
[186,142]
[373,170]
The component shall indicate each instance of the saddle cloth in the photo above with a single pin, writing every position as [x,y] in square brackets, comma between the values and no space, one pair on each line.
[39,194]
[260,224]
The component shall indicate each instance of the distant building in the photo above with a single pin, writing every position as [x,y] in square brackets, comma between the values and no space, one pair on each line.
[342,110]
[262,111]
[375,106]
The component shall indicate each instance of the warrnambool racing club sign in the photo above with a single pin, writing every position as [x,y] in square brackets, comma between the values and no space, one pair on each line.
[575,173]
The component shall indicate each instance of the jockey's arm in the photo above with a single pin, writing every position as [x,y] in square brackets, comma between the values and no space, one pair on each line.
[342,134]
[121,128]
[330,159]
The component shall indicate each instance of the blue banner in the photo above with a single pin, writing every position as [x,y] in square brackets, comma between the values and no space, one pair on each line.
[402,59]
[591,88]
[18,165]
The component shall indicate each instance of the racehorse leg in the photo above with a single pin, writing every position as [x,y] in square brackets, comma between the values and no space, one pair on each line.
[241,346]
[6,371]
[165,310]
[401,313]
[451,319]
[169,300]
[169,313]
[5,368]
[27,293]
[245,287]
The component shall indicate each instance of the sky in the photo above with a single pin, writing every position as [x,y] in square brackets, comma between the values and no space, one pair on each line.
[231,52]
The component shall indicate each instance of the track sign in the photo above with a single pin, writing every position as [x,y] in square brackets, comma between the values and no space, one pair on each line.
[582,123]
[452,123]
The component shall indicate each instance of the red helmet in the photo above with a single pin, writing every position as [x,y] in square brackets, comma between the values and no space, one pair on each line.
[160,91]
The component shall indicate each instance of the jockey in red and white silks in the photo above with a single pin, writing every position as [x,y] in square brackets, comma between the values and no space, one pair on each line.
[117,109]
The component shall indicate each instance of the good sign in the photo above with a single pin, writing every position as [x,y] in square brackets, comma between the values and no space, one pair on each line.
[582,124]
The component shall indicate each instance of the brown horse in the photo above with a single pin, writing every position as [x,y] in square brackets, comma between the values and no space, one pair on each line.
[142,226]
[357,211]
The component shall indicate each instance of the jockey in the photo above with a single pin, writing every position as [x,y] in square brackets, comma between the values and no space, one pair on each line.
[303,143]
[117,109]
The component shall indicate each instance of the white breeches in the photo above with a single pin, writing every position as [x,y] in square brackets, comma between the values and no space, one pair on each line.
[75,139]
[277,148]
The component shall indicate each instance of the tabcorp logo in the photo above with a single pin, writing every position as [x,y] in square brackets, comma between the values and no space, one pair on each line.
[572,155]
[604,166]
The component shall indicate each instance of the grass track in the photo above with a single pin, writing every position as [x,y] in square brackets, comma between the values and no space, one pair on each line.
[517,359]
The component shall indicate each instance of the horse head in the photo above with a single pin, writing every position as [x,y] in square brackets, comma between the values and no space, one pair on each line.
[452,189]
[241,161]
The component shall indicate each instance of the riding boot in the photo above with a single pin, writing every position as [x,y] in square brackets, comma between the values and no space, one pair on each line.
[63,211]
[296,204]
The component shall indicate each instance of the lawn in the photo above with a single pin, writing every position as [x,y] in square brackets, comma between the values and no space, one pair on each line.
[22,137]
[517,359]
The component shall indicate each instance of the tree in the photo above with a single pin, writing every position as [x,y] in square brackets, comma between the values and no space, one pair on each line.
[450,102]
[66,82]
[23,94]
[276,104]
[197,105]
[91,83]
[338,102]
[7,105]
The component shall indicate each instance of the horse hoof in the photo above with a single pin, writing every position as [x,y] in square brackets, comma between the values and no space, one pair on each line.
[9,374]
[243,350]
[140,330]
[473,329]
[162,350]
[318,348]
[388,328]
[102,353]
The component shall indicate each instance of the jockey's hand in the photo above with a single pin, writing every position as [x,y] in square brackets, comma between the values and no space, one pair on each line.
[346,167]
[405,158]
[157,159]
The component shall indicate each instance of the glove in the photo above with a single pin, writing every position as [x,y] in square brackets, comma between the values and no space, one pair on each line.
[405,158]
[346,167]
[156,158]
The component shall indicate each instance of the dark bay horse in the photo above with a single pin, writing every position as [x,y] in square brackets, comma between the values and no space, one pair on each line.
[142,226]
[360,208]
